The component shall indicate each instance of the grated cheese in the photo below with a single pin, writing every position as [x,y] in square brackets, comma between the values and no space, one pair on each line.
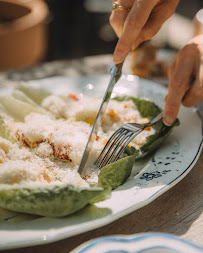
[47,140]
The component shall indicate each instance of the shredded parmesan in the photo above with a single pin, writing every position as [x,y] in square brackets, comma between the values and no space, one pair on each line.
[46,141]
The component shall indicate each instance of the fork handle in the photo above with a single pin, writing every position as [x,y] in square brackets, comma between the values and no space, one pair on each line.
[155,120]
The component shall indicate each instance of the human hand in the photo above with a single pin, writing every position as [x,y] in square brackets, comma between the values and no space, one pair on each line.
[186,79]
[141,23]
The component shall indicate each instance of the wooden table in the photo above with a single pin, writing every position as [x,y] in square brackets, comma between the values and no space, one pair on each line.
[178,211]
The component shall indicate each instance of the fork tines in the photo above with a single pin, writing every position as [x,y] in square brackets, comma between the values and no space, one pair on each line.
[120,140]
[116,145]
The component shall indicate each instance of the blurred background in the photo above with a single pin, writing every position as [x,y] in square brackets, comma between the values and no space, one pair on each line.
[81,27]
[33,31]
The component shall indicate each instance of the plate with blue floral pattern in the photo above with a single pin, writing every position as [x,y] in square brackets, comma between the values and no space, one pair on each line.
[149,179]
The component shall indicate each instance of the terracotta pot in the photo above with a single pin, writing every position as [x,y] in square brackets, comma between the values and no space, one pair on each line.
[23,38]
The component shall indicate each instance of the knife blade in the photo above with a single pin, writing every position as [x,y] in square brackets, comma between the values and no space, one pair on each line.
[115,76]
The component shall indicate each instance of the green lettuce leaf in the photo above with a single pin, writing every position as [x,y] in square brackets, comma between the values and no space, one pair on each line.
[50,201]
[115,174]
[58,201]
[149,110]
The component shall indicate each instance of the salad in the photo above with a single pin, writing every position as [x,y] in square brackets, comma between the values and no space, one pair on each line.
[42,139]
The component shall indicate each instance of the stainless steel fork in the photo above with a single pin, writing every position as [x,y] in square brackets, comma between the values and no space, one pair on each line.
[120,140]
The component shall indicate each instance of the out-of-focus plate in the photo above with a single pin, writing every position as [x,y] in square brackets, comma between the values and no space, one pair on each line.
[140,243]
[170,164]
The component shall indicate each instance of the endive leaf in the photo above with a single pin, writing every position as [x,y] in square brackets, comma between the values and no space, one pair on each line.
[5,132]
[35,94]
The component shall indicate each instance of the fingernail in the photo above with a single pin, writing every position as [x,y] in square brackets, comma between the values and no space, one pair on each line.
[168,120]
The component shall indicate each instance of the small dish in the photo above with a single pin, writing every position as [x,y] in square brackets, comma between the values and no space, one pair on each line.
[140,243]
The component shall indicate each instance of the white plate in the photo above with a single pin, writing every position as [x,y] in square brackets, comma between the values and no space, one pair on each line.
[141,243]
[170,164]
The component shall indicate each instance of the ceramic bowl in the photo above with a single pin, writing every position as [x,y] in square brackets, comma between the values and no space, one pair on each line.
[140,243]
[23,38]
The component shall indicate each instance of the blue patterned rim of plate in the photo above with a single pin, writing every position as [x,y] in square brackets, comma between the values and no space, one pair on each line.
[140,243]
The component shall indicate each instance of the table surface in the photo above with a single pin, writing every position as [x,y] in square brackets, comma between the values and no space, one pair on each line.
[178,211]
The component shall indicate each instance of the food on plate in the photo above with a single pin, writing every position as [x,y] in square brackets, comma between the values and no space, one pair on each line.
[42,139]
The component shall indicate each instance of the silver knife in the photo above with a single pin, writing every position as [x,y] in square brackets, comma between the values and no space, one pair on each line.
[115,76]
